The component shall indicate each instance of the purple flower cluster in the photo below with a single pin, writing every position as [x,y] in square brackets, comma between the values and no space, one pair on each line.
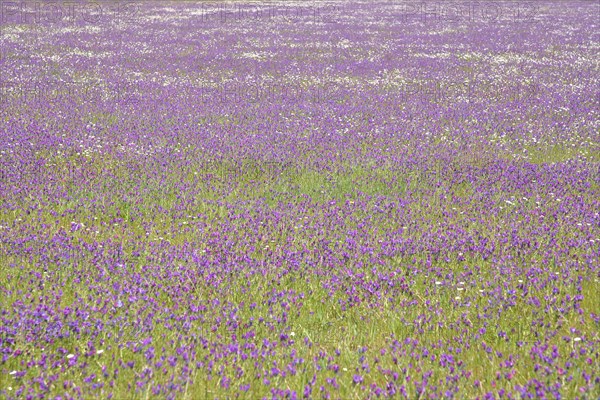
[274,200]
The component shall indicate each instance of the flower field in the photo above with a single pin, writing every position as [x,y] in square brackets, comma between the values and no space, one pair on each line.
[324,200]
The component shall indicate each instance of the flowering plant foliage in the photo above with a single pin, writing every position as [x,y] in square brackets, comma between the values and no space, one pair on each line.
[299,200]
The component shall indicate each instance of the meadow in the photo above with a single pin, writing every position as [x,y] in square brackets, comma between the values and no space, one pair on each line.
[336,200]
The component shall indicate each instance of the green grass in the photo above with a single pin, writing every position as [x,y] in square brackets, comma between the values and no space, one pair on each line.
[325,317]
